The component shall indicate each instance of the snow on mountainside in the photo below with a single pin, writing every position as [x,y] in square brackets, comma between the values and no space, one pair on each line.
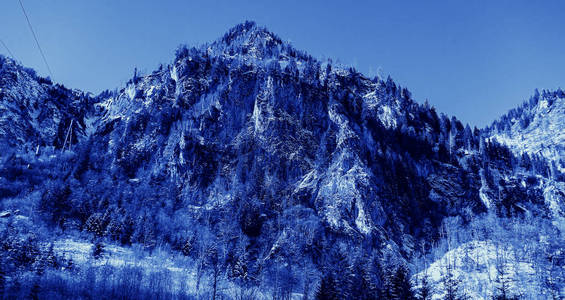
[273,173]
[249,89]
[35,112]
[537,127]
[490,257]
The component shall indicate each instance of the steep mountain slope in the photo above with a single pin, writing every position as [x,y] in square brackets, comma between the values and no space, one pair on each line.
[268,128]
[536,127]
[35,112]
[267,168]
[36,117]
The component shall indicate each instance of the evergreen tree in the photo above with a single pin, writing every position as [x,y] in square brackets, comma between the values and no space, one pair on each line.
[503,278]
[343,274]
[35,290]
[468,137]
[451,284]
[552,279]
[2,279]
[327,288]
[98,250]
[50,258]
[214,264]
[70,265]
[425,289]
[398,285]
[364,286]
[525,161]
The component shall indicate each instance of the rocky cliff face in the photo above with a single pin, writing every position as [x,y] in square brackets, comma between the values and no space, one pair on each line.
[248,119]
[35,112]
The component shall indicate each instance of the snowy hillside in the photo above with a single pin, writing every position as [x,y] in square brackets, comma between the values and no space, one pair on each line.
[537,127]
[490,257]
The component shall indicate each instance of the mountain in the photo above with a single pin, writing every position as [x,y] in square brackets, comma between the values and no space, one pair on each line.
[247,168]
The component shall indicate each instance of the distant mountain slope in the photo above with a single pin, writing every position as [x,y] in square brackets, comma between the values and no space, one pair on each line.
[536,127]
[35,112]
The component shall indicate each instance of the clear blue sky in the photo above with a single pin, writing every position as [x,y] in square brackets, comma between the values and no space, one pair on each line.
[472,59]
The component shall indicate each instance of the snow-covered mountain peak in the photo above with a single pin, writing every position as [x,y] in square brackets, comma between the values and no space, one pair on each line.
[250,41]
[247,33]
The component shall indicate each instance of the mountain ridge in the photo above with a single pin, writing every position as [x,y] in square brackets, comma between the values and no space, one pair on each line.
[535,127]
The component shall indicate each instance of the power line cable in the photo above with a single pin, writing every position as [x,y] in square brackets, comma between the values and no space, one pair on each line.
[35,38]
[7,49]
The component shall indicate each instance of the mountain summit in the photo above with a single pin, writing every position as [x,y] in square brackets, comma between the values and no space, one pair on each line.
[251,36]
[256,168]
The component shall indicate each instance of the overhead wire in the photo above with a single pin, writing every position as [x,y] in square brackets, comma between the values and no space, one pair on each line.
[7,49]
[35,38]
